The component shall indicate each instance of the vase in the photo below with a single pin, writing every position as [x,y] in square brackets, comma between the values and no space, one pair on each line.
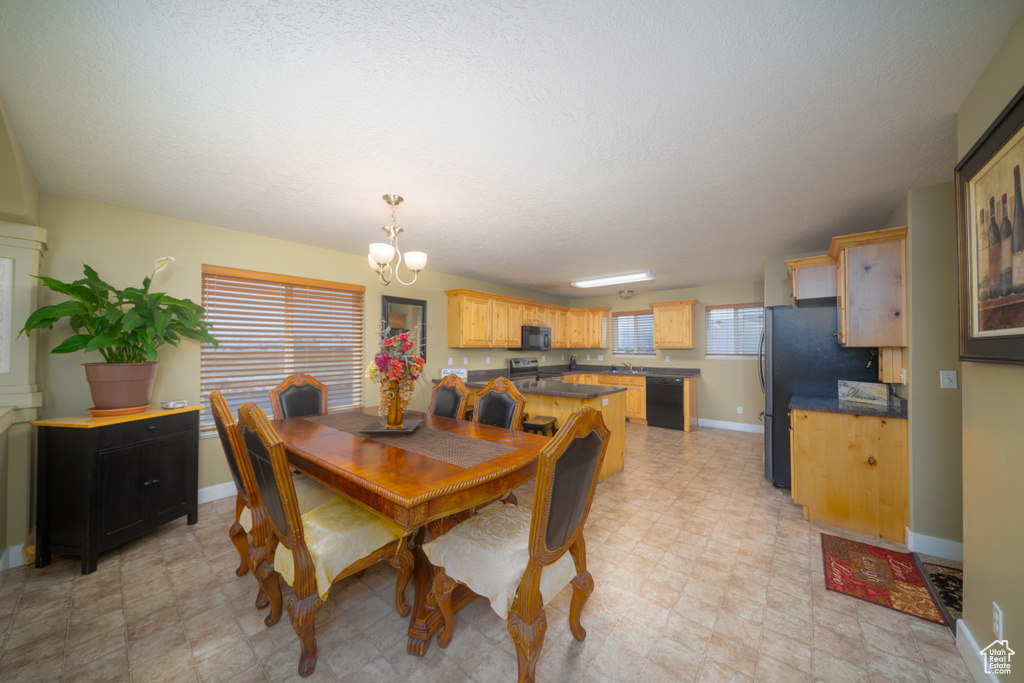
[120,386]
[395,409]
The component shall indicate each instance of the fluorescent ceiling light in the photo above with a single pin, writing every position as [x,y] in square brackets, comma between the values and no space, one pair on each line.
[614,279]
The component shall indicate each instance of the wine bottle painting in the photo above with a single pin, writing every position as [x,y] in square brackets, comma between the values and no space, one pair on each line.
[997,242]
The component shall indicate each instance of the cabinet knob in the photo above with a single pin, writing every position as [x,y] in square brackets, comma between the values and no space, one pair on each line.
[151,428]
[872,461]
[147,483]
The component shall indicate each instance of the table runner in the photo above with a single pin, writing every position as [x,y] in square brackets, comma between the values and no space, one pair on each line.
[453,449]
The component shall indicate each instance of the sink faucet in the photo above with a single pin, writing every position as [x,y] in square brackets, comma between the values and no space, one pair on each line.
[628,365]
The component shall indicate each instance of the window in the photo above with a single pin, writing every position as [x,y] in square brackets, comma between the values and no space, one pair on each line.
[733,330]
[270,326]
[633,333]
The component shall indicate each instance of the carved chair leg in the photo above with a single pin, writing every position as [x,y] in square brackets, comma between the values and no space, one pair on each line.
[241,542]
[582,587]
[271,587]
[403,562]
[442,592]
[528,636]
[303,615]
[510,499]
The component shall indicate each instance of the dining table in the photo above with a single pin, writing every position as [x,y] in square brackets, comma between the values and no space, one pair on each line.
[426,478]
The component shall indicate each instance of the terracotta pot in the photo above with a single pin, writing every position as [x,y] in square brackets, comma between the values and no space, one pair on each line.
[116,386]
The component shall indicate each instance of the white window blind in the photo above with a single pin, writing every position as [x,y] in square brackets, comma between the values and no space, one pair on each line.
[733,330]
[633,333]
[270,326]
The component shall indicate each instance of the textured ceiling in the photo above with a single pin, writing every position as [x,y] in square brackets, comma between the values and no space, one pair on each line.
[534,142]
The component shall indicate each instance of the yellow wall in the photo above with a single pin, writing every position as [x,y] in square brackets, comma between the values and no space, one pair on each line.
[993,402]
[725,383]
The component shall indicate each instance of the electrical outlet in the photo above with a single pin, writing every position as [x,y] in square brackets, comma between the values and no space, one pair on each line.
[465,360]
[739,410]
[666,359]
[997,621]
[588,356]
[600,356]
[451,361]
[543,358]
[563,356]
[488,360]
[947,379]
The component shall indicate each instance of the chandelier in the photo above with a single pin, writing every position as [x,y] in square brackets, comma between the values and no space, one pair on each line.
[382,253]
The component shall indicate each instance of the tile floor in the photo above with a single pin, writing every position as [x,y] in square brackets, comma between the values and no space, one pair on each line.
[703,572]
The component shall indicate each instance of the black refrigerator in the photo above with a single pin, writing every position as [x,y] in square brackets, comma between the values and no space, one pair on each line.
[800,356]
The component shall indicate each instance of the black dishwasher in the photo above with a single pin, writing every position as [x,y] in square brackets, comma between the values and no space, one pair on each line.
[665,402]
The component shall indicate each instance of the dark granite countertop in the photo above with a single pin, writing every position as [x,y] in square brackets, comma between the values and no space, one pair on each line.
[549,388]
[897,406]
[621,370]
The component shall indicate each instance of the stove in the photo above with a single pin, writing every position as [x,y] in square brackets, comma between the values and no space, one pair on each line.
[529,368]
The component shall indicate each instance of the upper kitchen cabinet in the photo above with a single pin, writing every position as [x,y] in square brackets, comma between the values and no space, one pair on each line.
[501,329]
[814,277]
[587,328]
[673,324]
[470,319]
[560,330]
[871,287]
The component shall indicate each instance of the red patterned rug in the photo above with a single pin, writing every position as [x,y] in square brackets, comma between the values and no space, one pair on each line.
[881,576]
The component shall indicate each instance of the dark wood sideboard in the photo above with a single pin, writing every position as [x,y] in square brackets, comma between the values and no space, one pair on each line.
[104,481]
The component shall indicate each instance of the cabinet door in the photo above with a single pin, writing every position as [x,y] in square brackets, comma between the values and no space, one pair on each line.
[476,321]
[673,324]
[169,480]
[515,323]
[531,315]
[578,329]
[875,294]
[596,336]
[560,330]
[123,508]
[499,324]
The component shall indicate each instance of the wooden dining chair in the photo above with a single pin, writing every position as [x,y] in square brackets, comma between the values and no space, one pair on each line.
[298,395]
[485,551]
[500,404]
[241,474]
[321,547]
[450,397]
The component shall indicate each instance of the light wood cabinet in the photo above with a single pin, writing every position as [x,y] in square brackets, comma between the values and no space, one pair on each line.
[500,332]
[515,322]
[814,277]
[850,471]
[469,319]
[636,394]
[871,287]
[673,324]
[891,367]
[560,330]
[578,329]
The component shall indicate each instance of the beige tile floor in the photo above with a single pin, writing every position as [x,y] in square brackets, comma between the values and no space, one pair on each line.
[703,572]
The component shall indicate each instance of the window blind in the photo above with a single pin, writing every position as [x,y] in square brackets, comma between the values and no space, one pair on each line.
[270,326]
[733,330]
[633,333]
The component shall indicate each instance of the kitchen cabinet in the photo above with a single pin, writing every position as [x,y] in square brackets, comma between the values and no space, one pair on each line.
[871,287]
[673,324]
[891,367]
[469,319]
[104,481]
[532,315]
[587,328]
[560,330]
[501,332]
[636,394]
[515,322]
[851,471]
[814,277]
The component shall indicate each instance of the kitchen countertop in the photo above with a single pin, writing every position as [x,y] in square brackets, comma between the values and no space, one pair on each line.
[897,406]
[646,372]
[550,388]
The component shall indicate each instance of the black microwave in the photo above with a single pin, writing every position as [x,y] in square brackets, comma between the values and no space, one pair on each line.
[535,338]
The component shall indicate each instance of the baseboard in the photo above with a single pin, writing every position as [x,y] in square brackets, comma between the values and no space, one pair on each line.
[11,557]
[970,651]
[216,492]
[939,547]
[734,426]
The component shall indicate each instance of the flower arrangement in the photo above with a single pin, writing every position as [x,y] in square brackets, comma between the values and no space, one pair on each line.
[395,368]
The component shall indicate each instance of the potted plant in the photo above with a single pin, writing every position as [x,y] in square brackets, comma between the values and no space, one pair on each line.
[127,326]
[396,368]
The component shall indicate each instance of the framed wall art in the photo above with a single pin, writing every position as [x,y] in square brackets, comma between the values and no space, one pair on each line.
[990,229]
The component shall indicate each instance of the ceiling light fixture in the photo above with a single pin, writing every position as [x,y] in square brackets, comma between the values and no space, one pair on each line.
[382,253]
[625,293]
[614,279]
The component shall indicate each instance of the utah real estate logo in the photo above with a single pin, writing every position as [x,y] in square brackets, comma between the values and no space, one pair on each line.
[997,657]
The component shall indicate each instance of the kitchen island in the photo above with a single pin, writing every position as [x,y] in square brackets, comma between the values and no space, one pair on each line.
[562,399]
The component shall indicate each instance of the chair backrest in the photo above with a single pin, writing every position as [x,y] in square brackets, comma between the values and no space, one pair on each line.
[500,404]
[567,472]
[234,451]
[298,395]
[450,397]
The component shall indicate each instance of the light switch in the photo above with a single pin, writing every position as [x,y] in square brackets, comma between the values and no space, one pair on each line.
[666,359]
[947,379]
[600,356]
[451,361]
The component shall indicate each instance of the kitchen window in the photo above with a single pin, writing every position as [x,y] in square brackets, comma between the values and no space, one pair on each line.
[733,329]
[633,333]
[270,326]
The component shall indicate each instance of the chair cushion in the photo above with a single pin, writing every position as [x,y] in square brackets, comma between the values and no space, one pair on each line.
[337,533]
[300,400]
[489,553]
[446,402]
[309,492]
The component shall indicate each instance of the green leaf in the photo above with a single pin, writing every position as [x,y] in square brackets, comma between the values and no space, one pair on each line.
[75,342]
[46,316]
[101,341]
